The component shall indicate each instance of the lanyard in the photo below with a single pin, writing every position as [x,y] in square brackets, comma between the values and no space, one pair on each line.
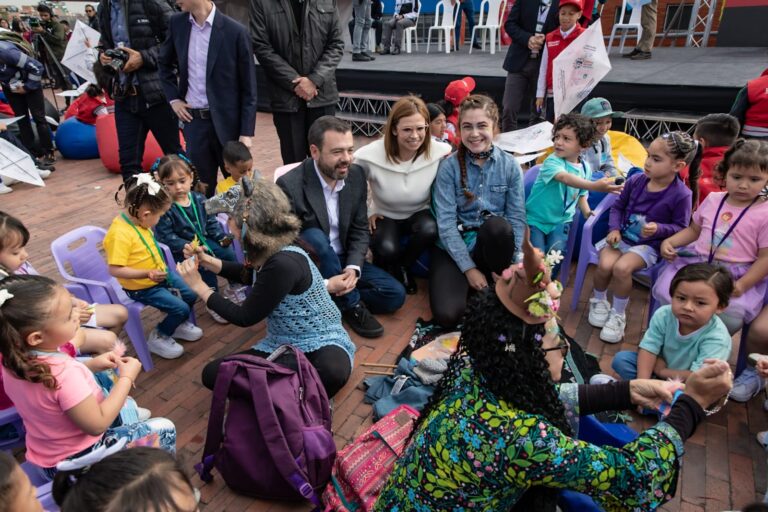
[197,227]
[542,18]
[712,250]
[160,265]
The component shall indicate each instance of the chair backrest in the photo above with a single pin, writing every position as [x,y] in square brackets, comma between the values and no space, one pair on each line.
[634,17]
[283,169]
[529,178]
[491,12]
[445,14]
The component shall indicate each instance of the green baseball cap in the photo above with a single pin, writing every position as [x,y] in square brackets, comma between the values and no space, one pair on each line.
[599,107]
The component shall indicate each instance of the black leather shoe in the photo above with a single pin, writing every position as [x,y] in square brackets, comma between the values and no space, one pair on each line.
[360,320]
[370,57]
[630,54]
[360,57]
[396,50]
[406,278]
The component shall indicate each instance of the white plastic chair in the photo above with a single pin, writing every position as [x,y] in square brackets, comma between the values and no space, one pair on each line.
[633,24]
[491,25]
[410,37]
[445,21]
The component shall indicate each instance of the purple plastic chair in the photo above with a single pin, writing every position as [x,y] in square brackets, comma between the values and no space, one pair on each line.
[588,255]
[79,260]
[741,359]
[223,219]
[9,416]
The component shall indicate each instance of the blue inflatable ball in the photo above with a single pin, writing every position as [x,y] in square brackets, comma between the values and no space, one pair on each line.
[77,140]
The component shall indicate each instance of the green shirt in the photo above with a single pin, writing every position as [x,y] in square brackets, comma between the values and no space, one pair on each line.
[552,203]
[687,352]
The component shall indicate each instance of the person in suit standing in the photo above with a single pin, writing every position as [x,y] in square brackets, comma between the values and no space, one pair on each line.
[528,22]
[329,194]
[209,78]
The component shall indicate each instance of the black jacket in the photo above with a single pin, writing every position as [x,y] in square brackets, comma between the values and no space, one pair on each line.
[521,25]
[147,26]
[286,53]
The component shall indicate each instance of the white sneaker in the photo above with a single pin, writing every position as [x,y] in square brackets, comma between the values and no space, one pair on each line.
[188,332]
[599,311]
[143,413]
[9,181]
[216,317]
[43,173]
[5,189]
[601,378]
[163,346]
[613,330]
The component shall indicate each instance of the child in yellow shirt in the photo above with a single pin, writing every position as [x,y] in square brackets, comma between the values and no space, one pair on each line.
[238,162]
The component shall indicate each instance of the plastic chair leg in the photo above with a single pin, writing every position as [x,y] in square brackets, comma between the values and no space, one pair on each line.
[610,40]
[135,331]
[492,37]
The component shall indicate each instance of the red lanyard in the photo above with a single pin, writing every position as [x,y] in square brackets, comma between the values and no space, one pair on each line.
[712,247]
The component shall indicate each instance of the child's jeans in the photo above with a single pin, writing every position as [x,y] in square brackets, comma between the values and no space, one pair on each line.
[555,240]
[162,298]
[223,253]
[625,364]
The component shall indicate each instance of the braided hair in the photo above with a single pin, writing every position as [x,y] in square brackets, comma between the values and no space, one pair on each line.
[27,311]
[137,195]
[520,378]
[681,146]
[165,166]
[472,102]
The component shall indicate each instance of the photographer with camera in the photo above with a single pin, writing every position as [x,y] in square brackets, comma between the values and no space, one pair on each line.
[51,30]
[131,35]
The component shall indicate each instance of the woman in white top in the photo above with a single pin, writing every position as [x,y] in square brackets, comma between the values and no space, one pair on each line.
[400,169]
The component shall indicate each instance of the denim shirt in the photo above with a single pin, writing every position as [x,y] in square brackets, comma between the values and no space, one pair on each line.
[498,190]
[120,33]
[174,230]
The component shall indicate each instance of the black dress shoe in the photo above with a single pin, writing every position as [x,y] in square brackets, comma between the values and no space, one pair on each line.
[630,54]
[370,57]
[363,322]
[477,46]
[360,57]
[406,278]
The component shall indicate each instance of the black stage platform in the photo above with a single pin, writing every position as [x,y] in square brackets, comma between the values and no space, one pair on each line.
[701,80]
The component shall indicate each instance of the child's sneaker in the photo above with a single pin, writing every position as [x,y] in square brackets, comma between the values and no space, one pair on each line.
[599,311]
[216,317]
[188,332]
[44,174]
[163,346]
[5,189]
[762,438]
[746,385]
[613,330]
[601,378]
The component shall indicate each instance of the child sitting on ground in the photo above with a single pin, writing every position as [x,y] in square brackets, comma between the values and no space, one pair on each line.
[682,335]
[89,105]
[563,181]
[715,133]
[65,412]
[238,162]
[17,494]
[136,260]
[654,205]
[186,222]
[599,156]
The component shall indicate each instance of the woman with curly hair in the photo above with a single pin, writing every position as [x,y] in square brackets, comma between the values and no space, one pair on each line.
[497,435]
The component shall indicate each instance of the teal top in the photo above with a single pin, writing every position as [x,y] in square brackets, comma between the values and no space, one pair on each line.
[552,203]
[476,452]
[687,352]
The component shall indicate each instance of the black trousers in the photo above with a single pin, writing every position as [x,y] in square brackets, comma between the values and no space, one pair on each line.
[205,151]
[331,363]
[33,103]
[385,241]
[293,127]
[448,286]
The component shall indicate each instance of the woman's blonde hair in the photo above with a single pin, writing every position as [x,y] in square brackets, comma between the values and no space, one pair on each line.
[404,107]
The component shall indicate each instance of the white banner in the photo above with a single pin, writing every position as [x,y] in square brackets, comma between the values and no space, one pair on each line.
[16,164]
[81,52]
[528,140]
[579,68]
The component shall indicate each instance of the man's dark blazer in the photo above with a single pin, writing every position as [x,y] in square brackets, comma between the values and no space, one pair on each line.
[521,25]
[304,190]
[230,80]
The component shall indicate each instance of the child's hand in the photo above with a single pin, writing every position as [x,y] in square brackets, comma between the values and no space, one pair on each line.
[192,250]
[667,251]
[539,104]
[157,276]
[738,289]
[649,229]
[105,361]
[614,237]
[128,367]
[608,185]
[762,368]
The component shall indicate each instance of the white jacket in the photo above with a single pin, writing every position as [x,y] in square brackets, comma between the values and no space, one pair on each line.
[399,190]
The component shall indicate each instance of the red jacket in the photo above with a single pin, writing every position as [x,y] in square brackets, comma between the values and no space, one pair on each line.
[84,108]
[556,43]
[757,94]
[707,183]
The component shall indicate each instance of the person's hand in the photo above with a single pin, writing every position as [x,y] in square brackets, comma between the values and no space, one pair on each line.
[187,269]
[134,62]
[372,222]
[246,140]
[105,361]
[738,289]
[614,237]
[304,88]
[667,250]
[539,104]
[476,279]
[128,367]
[710,383]
[350,278]
[535,42]
[649,229]
[18,89]
[338,285]
[38,28]
[608,185]
[180,109]
[83,310]
[104,59]
[156,275]
[651,393]
[762,368]
[190,250]
[3,127]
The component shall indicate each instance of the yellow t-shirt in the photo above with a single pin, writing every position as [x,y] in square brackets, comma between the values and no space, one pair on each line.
[124,248]
[225,185]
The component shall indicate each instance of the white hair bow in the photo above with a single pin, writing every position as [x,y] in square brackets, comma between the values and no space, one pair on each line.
[145,178]
[5,295]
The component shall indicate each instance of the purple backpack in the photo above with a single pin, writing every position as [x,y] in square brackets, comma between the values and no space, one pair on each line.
[275,441]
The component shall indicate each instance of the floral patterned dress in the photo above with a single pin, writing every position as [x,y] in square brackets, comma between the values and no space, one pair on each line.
[476,452]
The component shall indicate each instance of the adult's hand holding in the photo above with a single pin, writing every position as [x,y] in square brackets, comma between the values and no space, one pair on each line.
[187,269]
[350,278]
[338,285]
[535,42]
[134,62]
[651,393]
[710,383]
[476,279]
[304,88]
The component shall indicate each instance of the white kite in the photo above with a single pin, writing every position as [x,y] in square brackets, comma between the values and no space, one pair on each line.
[16,164]
[527,140]
[579,68]
[81,52]
[10,120]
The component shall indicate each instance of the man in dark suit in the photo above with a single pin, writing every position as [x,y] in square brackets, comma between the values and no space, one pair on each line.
[527,24]
[329,195]
[209,78]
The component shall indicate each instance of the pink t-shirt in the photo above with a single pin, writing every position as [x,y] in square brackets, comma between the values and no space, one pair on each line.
[51,435]
[748,237]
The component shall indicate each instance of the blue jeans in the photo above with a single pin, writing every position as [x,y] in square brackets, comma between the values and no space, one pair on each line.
[162,298]
[555,240]
[625,364]
[223,253]
[468,8]
[381,292]
[362,12]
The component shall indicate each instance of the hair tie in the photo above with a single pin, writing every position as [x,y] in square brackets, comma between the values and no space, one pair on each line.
[153,187]
[5,296]
[184,157]
[155,165]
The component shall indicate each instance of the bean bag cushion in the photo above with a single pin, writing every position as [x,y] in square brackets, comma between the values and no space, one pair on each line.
[77,140]
[106,137]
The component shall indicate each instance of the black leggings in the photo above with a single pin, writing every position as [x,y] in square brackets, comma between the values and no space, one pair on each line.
[385,241]
[331,363]
[448,286]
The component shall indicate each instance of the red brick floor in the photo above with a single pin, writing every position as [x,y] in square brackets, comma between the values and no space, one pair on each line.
[724,468]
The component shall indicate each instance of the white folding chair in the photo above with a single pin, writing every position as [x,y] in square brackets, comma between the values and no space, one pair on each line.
[410,37]
[633,24]
[491,25]
[445,21]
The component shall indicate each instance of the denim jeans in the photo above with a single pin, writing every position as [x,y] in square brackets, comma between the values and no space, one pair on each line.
[468,8]
[625,364]
[555,240]
[162,298]
[223,253]
[381,292]
[362,11]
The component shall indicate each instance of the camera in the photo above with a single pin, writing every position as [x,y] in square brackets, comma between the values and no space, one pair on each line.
[119,58]
[34,22]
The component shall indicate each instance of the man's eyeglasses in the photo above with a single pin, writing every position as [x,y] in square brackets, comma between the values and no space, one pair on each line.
[563,347]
